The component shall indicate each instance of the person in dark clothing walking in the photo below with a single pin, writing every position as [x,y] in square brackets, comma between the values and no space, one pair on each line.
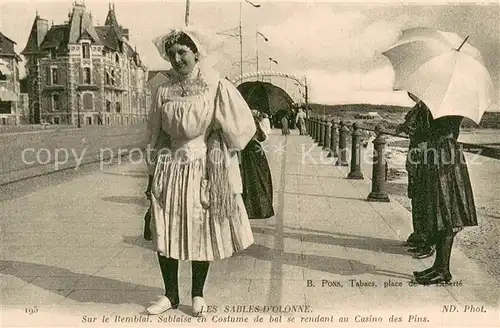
[284,126]
[256,176]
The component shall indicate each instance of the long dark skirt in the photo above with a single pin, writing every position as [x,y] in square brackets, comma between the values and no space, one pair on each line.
[450,189]
[257,182]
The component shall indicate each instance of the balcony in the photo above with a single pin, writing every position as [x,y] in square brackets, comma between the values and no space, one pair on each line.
[87,87]
[114,88]
[53,87]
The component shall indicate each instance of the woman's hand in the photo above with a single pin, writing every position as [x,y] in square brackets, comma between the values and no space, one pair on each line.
[148,189]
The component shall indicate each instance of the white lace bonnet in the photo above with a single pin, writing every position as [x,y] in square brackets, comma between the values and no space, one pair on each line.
[206,42]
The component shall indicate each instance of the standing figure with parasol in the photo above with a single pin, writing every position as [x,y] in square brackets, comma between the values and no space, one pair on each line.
[448,75]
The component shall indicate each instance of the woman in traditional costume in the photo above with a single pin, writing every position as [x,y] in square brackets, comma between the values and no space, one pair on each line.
[197,212]
[256,174]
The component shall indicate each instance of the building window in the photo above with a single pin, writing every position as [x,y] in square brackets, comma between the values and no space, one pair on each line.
[53,53]
[55,120]
[108,106]
[112,77]
[53,75]
[117,59]
[55,102]
[5,107]
[118,107]
[86,50]
[88,101]
[87,75]
[3,77]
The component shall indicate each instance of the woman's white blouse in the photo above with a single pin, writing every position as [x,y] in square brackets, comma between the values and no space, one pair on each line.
[182,114]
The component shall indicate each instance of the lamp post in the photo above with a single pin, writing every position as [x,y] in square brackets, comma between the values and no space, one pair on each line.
[186,17]
[241,33]
[78,101]
[257,47]
[238,33]
[306,90]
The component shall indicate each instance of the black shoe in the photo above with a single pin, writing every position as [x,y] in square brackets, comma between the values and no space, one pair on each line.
[434,278]
[412,244]
[424,253]
[417,249]
[415,239]
[412,238]
[423,272]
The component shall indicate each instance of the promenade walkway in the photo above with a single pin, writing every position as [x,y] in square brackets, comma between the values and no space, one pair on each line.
[73,251]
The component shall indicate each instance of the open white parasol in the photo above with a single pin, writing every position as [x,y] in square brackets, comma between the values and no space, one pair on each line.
[442,70]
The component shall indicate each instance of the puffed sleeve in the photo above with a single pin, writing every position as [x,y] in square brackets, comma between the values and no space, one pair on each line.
[234,116]
[156,138]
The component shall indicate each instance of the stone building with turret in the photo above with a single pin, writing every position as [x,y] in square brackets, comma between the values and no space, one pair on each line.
[79,73]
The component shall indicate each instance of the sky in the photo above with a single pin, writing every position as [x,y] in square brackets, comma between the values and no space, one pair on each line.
[337,46]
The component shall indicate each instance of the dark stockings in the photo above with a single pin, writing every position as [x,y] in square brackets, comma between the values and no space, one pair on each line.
[169,270]
[444,244]
[440,270]
[199,271]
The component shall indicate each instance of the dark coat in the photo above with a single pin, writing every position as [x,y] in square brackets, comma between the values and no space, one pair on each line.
[438,177]
[450,189]
[256,176]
